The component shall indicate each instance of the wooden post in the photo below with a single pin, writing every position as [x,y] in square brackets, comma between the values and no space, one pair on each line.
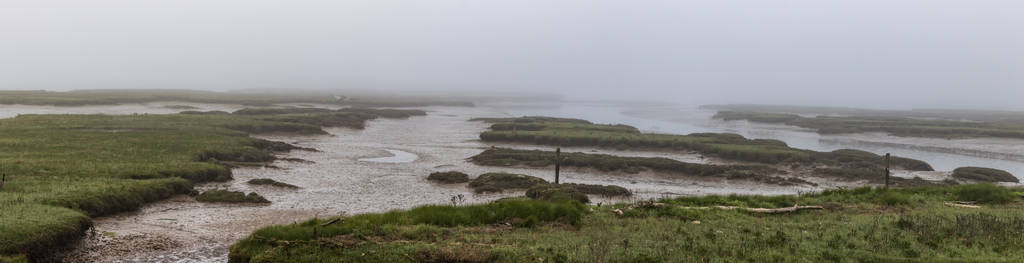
[887,170]
[558,163]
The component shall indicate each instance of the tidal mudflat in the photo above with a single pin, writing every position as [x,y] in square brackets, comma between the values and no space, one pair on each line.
[380,168]
[352,174]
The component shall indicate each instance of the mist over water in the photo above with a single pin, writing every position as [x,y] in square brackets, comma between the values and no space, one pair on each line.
[877,54]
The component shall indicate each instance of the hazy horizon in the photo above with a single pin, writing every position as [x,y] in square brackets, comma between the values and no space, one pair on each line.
[870,54]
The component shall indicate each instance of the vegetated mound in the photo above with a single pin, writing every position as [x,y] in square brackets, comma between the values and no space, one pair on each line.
[985,194]
[499,182]
[450,177]
[556,193]
[724,145]
[721,145]
[602,190]
[347,117]
[982,174]
[610,163]
[271,182]
[225,196]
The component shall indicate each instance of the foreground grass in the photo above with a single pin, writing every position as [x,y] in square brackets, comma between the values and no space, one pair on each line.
[64,169]
[899,126]
[858,225]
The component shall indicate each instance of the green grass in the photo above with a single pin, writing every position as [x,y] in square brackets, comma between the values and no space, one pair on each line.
[985,194]
[299,242]
[858,225]
[63,169]
[899,126]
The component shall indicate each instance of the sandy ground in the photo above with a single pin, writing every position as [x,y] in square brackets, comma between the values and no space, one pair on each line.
[377,169]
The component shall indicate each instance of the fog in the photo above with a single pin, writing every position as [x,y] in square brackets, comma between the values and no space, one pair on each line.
[866,53]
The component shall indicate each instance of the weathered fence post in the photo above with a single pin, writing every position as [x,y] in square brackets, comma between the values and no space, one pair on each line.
[558,163]
[887,170]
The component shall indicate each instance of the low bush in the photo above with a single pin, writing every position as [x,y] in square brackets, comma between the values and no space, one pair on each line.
[984,193]
[892,198]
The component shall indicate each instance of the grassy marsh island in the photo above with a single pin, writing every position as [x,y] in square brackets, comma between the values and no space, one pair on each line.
[917,224]
[62,170]
[631,165]
[776,156]
[896,124]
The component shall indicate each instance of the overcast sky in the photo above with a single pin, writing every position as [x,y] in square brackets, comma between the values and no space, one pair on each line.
[873,53]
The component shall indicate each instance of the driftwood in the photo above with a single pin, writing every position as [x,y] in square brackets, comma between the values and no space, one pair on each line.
[961,205]
[651,204]
[336,220]
[762,210]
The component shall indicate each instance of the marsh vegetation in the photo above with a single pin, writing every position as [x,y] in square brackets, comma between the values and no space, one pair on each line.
[761,158]
[895,125]
[862,224]
[450,177]
[62,170]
